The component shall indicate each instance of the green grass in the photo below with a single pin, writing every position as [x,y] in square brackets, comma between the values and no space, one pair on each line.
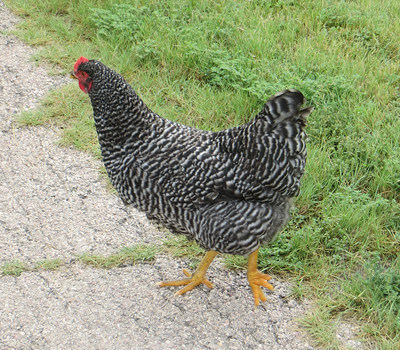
[374,293]
[16,268]
[212,65]
[127,255]
[13,268]
[180,247]
[49,265]
[68,108]
[140,253]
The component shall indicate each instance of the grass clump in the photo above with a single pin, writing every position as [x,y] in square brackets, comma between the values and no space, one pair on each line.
[13,268]
[375,293]
[235,262]
[212,65]
[49,265]
[66,108]
[128,255]
[180,247]
[140,253]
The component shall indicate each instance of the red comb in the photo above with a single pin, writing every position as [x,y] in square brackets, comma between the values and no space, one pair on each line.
[80,60]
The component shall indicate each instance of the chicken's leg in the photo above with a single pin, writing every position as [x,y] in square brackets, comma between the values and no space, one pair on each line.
[194,279]
[257,279]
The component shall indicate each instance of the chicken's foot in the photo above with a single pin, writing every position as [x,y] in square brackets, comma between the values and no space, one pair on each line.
[257,279]
[194,279]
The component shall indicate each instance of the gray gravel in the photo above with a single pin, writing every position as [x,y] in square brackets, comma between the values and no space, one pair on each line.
[53,204]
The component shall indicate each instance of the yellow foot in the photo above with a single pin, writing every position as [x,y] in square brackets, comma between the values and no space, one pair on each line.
[191,282]
[257,279]
[197,278]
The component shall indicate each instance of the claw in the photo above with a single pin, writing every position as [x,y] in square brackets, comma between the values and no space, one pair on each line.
[187,273]
[193,280]
[257,279]
[189,283]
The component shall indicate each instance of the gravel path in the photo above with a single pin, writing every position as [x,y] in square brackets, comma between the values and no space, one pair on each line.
[53,204]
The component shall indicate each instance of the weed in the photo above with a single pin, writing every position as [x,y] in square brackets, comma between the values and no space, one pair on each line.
[322,327]
[14,268]
[179,246]
[48,265]
[66,107]
[235,262]
[375,292]
[127,255]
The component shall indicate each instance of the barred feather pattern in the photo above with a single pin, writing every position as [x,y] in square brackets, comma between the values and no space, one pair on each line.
[230,190]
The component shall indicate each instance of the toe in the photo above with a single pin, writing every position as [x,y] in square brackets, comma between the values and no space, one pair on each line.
[256,281]
[258,295]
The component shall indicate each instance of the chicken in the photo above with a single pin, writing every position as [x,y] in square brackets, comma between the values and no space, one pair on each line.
[230,190]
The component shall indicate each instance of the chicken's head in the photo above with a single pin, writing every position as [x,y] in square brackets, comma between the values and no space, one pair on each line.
[85,80]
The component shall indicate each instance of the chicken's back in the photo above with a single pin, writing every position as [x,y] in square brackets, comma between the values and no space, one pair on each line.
[228,190]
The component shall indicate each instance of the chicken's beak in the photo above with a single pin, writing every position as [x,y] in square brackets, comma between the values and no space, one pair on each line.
[72,75]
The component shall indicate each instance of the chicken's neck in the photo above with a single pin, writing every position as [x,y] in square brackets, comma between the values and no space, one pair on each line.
[118,112]
[121,117]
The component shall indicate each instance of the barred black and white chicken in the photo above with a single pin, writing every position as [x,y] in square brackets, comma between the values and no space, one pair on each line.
[230,190]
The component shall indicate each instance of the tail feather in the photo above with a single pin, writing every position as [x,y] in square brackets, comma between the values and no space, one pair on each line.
[286,120]
[284,105]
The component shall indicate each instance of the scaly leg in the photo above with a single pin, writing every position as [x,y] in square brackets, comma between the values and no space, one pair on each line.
[194,279]
[257,279]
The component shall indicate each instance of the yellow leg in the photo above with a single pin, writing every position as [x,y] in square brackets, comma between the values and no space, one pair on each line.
[194,279]
[257,279]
